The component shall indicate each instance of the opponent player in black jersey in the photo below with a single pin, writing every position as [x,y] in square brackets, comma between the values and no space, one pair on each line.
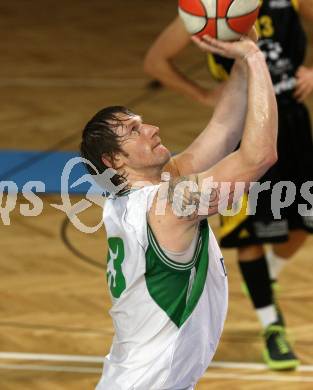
[283,42]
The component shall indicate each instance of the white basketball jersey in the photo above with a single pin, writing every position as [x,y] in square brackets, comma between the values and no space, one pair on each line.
[168,317]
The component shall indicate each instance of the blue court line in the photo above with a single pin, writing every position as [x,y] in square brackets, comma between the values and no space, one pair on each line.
[46,167]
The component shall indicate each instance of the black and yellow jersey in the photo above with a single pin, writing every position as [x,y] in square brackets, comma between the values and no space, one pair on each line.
[281,39]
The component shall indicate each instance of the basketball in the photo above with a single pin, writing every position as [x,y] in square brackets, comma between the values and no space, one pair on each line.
[226,20]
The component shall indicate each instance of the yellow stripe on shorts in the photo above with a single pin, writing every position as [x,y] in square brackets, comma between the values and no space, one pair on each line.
[231,223]
[295,4]
[217,70]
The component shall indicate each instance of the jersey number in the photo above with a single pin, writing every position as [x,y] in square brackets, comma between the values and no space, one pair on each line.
[116,256]
[264,26]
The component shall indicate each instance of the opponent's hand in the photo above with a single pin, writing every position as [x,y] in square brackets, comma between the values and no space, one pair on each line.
[236,50]
[304,86]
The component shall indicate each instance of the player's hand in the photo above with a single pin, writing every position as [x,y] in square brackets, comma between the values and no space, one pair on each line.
[236,50]
[304,86]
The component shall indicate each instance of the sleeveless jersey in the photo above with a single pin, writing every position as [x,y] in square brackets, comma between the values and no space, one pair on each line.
[168,317]
[281,39]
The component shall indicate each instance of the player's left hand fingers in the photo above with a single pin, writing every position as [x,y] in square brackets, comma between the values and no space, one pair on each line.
[302,91]
[306,92]
[204,46]
[301,71]
[221,48]
[221,45]
[298,91]
[208,45]
[304,84]
[301,83]
[304,74]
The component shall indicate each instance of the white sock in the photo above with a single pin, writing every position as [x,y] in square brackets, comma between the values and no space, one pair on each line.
[275,264]
[267,315]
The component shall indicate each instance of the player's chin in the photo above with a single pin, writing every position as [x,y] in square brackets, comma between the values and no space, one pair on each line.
[162,151]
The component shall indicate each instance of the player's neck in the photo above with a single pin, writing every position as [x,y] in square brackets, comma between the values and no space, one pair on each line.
[138,179]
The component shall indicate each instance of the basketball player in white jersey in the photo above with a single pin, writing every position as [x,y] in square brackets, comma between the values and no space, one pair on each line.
[283,41]
[165,270]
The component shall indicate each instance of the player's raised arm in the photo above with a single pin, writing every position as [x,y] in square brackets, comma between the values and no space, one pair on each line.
[224,131]
[257,151]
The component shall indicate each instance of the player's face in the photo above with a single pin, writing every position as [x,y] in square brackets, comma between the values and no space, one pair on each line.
[142,144]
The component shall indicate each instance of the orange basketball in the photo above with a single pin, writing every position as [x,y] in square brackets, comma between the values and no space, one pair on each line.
[226,20]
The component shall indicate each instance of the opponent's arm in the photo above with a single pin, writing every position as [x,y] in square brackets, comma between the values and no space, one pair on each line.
[306,9]
[304,74]
[159,64]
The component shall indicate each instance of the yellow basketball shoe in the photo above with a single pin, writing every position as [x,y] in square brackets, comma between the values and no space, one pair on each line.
[278,354]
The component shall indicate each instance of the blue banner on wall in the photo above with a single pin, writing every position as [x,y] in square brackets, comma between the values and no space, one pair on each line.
[22,166]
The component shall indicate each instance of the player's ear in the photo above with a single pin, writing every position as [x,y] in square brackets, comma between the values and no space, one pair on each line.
[115,163]
[107,161]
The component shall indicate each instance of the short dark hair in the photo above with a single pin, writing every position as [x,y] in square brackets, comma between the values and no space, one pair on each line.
[99,138]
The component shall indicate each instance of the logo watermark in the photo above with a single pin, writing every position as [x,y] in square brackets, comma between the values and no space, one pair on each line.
[185,197]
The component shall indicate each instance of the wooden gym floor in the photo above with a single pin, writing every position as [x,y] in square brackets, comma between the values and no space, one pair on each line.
[62,61]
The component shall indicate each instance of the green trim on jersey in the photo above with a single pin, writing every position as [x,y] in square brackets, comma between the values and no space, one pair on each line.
[125,192]
[166,260]
[176,287]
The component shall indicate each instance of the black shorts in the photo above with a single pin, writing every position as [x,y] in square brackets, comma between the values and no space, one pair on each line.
[295,164]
